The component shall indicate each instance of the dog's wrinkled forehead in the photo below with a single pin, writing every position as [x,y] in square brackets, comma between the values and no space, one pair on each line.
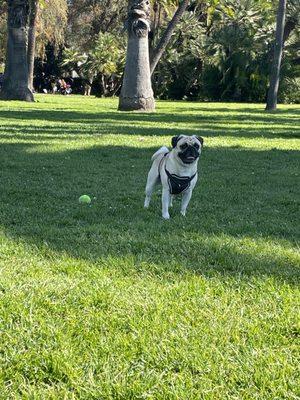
[178,141]
[190,140]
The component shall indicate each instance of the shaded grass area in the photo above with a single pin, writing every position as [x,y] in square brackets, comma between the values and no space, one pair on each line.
[108,301]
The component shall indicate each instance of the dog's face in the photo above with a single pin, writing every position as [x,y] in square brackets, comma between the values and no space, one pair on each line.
[187,148]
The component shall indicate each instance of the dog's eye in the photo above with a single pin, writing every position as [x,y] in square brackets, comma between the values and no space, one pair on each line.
[183,146]
[196,145]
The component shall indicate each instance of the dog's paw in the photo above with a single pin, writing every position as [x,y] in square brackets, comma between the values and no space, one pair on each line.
[147,203]
[166,216]
[183,213]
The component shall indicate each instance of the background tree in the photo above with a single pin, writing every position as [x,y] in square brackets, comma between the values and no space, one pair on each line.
[3,31]
[219,49]
[47,24]
[15,83]
[51,25]
[278,48]
[93,25]
[88,18]
[289,91]
[137,93]
[51,31]
[33,17]
[166,37]
[104,64]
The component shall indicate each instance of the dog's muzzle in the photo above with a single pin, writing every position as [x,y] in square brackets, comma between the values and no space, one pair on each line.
[189,155]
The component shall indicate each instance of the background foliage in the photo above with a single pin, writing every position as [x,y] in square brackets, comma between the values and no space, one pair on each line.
[221,50]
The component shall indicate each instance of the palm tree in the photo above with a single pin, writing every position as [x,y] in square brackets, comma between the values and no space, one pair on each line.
[137,93]
[15,83]
[166,37]
[33,15]
[278,48]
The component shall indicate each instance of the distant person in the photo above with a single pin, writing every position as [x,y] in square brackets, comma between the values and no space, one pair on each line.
[68,89]
[63,84]
[54,87]
[59,86]
[87,89]
[87,86]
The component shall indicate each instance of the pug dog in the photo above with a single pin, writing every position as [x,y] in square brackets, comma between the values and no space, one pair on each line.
[176,170]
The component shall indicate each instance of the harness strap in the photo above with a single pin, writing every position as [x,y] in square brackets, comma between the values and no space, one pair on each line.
[160,163]
[179,184]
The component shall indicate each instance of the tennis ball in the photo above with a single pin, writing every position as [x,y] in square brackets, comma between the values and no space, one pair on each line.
[85,199]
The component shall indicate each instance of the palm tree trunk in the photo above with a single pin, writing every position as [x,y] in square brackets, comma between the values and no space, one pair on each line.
[137,93]
[15,82]
[276,64]
[165,39]
[31,41]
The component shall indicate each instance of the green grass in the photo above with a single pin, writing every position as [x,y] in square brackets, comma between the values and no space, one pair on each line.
[109,301]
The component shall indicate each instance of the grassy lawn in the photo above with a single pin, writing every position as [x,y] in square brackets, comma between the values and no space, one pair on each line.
[109,301]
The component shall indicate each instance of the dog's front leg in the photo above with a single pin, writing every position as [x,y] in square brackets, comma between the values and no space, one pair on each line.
[165,203]
[186,197]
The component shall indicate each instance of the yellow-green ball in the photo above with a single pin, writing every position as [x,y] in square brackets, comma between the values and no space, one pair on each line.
[85,199]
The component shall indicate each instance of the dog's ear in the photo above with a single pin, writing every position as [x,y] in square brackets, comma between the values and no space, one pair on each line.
[175,141]
[201,140]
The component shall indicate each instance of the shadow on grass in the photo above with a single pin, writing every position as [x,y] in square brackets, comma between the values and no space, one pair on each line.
[236,107]
[239,124]
[242,218]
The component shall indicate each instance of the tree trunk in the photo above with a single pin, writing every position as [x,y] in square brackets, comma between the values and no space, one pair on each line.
[166,37]
[31,41]
[103,86]
[15,82]
[276,64]
[137,93]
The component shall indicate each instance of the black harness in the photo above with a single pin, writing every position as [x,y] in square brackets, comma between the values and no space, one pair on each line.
[177,184]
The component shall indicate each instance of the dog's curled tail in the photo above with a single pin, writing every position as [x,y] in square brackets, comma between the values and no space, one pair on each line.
[162,150]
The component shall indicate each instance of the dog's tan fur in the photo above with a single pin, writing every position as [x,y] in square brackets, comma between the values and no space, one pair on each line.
[171,160]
